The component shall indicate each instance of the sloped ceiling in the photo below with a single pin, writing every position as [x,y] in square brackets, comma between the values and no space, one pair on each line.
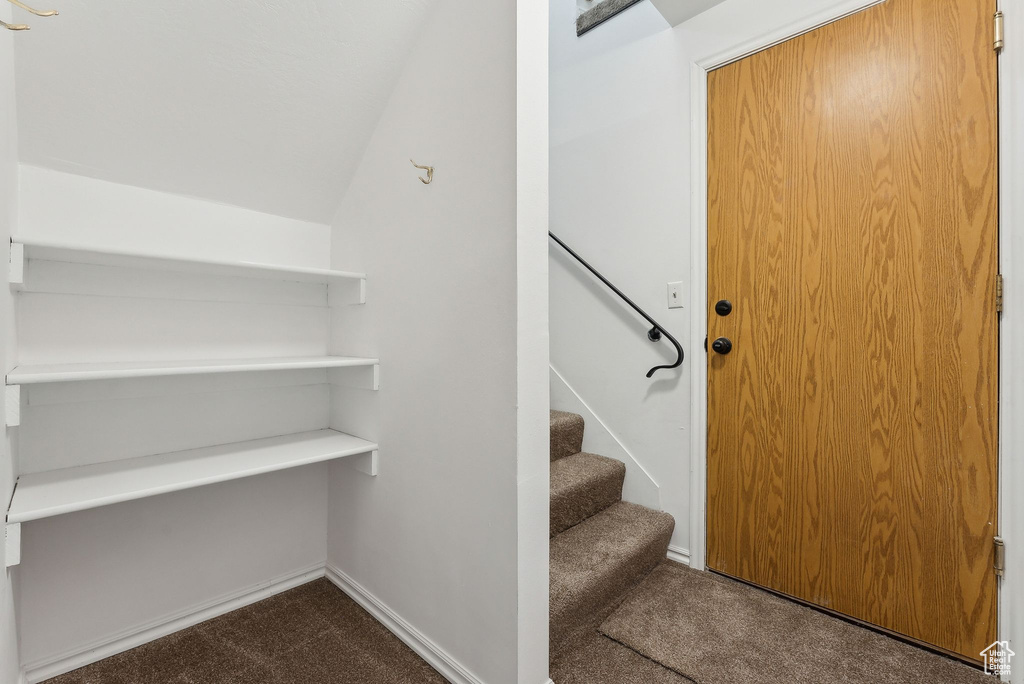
[262,104]
[678,11]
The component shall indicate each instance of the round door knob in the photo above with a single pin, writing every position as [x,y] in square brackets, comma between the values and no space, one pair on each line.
[723,307]
[722,345]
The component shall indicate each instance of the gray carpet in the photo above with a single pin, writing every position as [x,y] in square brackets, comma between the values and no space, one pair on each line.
[601,547]
[592,658]
[583,485]
[566,434]
[599,560]
[717,631]
[313,634]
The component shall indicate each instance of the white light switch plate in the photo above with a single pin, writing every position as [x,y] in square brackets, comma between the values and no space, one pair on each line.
[675,295]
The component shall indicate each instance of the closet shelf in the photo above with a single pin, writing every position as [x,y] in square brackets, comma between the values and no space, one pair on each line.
[67,252]
[70,372]
[46,494]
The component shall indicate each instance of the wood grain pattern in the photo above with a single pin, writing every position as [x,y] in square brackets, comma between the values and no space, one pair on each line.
[852,432]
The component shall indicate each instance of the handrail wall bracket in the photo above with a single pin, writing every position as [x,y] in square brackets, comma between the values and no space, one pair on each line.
[654,334]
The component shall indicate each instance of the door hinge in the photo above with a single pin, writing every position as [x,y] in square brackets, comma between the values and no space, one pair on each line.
[999,564]
[999,293]
[997,43]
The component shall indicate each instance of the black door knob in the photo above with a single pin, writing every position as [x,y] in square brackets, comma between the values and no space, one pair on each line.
[723,307]
[722,345]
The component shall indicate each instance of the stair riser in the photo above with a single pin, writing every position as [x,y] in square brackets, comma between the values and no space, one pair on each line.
[566,434]
[572,508]
[609,587]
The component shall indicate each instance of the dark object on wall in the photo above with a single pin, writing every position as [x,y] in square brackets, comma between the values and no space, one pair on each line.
[598,12]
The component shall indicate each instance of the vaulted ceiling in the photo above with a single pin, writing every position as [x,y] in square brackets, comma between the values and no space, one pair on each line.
[678,11]
[265,104]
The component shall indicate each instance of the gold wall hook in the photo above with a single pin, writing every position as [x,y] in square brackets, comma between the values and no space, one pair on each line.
[428,169]
[15,27]
[38,13]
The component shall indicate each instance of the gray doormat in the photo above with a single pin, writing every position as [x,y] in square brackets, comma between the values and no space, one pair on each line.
[718,631]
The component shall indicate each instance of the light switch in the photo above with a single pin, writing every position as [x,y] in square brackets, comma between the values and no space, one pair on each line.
[675,295]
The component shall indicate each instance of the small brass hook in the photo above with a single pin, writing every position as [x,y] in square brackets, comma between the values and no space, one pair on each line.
[15,27]
[38,13]
[428,169]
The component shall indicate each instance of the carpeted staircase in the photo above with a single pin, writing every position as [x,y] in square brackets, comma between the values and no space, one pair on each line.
[682,626]
[601,546]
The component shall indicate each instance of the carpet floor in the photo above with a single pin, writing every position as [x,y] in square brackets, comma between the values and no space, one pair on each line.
[313,634]
[713,630]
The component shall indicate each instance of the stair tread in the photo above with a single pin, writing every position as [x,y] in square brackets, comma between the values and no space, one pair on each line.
[573,471]
[566,434]
[601,558]
[603,540]
[583,485]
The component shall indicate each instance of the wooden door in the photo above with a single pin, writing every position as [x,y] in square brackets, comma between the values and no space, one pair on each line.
[852,224]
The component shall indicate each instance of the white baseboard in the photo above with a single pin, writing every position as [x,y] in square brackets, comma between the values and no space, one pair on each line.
[437,657]
[679,554]
[104,648]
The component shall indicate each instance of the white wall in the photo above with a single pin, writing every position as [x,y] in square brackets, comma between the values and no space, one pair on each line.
[566,49]
[8,221]
[532,339]
[435,536]
[92,577]
[619,197]
[265,105]
[63,206]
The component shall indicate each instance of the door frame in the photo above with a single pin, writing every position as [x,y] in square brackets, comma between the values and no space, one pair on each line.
[1011,252]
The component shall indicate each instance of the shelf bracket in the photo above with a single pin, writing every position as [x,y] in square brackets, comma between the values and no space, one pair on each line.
[362,377]
[16,273]
[12,544]
[12,405]
[347,292]
[364,463]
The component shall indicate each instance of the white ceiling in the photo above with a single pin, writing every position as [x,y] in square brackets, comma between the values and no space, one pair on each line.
[678,11]
[265,104]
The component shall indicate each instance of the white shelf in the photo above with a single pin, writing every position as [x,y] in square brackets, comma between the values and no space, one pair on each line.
[81,254]
[42,495]
[71,372]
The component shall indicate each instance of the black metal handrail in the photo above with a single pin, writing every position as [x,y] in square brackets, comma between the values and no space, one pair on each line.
[654,334]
